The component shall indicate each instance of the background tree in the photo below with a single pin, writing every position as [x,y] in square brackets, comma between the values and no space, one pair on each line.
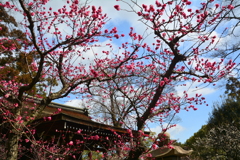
[227,113]
[233,89]
[14,61]
[117,101]
[218,139]
[199,151]
[221,142]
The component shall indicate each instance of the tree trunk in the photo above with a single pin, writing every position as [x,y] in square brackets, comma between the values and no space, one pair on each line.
[12,145]
[136,153]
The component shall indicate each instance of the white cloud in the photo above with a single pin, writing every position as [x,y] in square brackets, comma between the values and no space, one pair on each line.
[174,131]
[192,89]
[78,103]
[87,57]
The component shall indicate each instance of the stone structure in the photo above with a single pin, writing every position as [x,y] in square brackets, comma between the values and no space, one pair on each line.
[167,150]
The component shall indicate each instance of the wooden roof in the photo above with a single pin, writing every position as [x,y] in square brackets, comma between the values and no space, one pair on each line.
[170,152]
[70,120]
[74,119]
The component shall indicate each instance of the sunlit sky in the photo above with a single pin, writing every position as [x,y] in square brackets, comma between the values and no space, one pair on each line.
[191,121]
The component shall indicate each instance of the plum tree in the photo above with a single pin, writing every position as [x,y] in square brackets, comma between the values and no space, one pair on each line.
[61,40]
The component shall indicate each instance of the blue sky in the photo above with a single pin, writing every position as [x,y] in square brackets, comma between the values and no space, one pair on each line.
[191,121]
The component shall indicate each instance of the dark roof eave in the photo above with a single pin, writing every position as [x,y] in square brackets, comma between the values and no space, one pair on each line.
[68,118]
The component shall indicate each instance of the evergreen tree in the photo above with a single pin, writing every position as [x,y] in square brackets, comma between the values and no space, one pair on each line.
[14,62]
[226,113]
[219,138]
[233,89]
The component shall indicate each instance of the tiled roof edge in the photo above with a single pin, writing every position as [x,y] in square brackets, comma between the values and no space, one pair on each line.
[58,105]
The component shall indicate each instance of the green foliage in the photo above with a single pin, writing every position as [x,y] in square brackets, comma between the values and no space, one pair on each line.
[199,134]
[221,142]
[197,150]
[218,139]
[227,113]
[15,62]
[233,88]
[93,154]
